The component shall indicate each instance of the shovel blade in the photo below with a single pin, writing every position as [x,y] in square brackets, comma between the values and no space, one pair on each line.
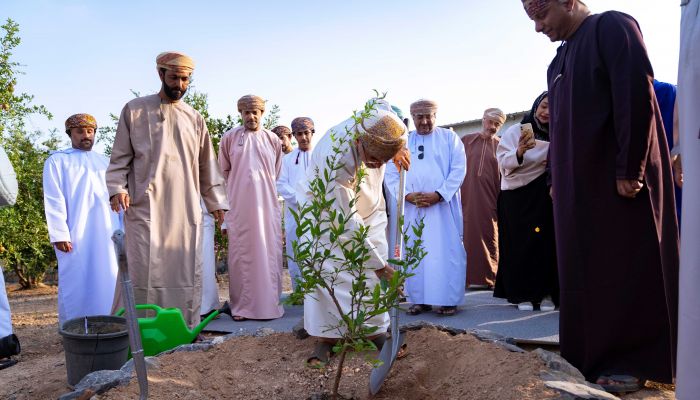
[387,357]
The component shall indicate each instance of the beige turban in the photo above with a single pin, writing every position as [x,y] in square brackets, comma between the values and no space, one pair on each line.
[251,102]
[80,121]
[302,124]
[495,114]
[176,61]
[381,134]
[423,107]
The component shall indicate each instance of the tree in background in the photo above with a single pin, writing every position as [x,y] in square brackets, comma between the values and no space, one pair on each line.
[24,239]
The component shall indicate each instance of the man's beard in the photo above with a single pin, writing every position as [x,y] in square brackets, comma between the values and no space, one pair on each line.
[423,129]
[170,92]
[86,144]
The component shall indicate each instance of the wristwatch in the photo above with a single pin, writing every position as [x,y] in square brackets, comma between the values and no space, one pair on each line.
[439,196]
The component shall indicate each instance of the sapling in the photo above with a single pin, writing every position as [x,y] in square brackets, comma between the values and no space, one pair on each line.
[329,251]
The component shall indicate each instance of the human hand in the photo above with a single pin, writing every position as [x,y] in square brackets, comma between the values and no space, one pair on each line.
[412,198]
[402,159]
[219,216]
[429,199]
[65,247]
[678,171]
[629,187]
[524,144]
[119,200]
[385,273]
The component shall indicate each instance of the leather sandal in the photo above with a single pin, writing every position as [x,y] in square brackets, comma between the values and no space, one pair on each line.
[418,309]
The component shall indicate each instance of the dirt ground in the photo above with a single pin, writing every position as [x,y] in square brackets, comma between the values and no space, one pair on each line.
[438,366]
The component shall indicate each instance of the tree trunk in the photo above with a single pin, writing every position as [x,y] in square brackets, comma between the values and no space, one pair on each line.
[339,374]
[25,280]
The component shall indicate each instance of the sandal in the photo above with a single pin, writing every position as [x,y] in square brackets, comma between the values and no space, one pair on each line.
[418,309]
[319,358]
[446,311]
[238,318]
[620,383]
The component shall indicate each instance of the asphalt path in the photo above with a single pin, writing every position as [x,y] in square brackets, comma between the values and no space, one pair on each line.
[480,310]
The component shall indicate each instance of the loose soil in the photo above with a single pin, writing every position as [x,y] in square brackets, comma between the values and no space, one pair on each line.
[438,366]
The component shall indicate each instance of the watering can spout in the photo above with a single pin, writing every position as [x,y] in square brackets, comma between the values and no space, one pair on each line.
[225,309]
[198,329]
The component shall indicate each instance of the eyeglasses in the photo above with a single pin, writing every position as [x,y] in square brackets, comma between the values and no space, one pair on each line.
[421,148]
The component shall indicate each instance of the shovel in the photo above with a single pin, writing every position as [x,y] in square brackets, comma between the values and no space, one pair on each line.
[132,323]
[392,345]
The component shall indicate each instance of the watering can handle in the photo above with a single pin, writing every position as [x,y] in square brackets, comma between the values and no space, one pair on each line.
[140,307]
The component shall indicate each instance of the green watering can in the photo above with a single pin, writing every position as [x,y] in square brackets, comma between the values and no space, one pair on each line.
[167,329]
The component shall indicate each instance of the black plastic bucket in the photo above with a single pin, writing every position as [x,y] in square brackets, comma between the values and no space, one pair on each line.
[94,343]
[9,346]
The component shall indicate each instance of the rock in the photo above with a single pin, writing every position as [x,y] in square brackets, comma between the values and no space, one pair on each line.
[510,347]
[564,377]
[264,332]
[199,346]
[418,325]
[97,382]
[87,395]
[580,391]
[218,340]
[488,336]
[555,362]
[68,396]
[452,331]
[299,331]
[415,326]
[551,375]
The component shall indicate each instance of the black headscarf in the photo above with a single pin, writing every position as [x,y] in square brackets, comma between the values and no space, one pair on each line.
[541,130]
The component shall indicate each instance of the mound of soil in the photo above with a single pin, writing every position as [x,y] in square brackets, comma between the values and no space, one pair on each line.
[438,366]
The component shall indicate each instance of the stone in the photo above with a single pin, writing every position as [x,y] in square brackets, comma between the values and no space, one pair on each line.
[551,375]
[510,347]
[299,331]
[556,362]
[199,346]
[415,326]
[264,332]
[580,391]
[452,331]
[564,377]
[218,340]
[97,382]
[488,336]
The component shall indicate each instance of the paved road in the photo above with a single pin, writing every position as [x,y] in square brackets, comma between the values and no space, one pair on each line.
[479,311]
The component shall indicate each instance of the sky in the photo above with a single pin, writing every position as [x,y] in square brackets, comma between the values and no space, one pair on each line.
[320,59]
